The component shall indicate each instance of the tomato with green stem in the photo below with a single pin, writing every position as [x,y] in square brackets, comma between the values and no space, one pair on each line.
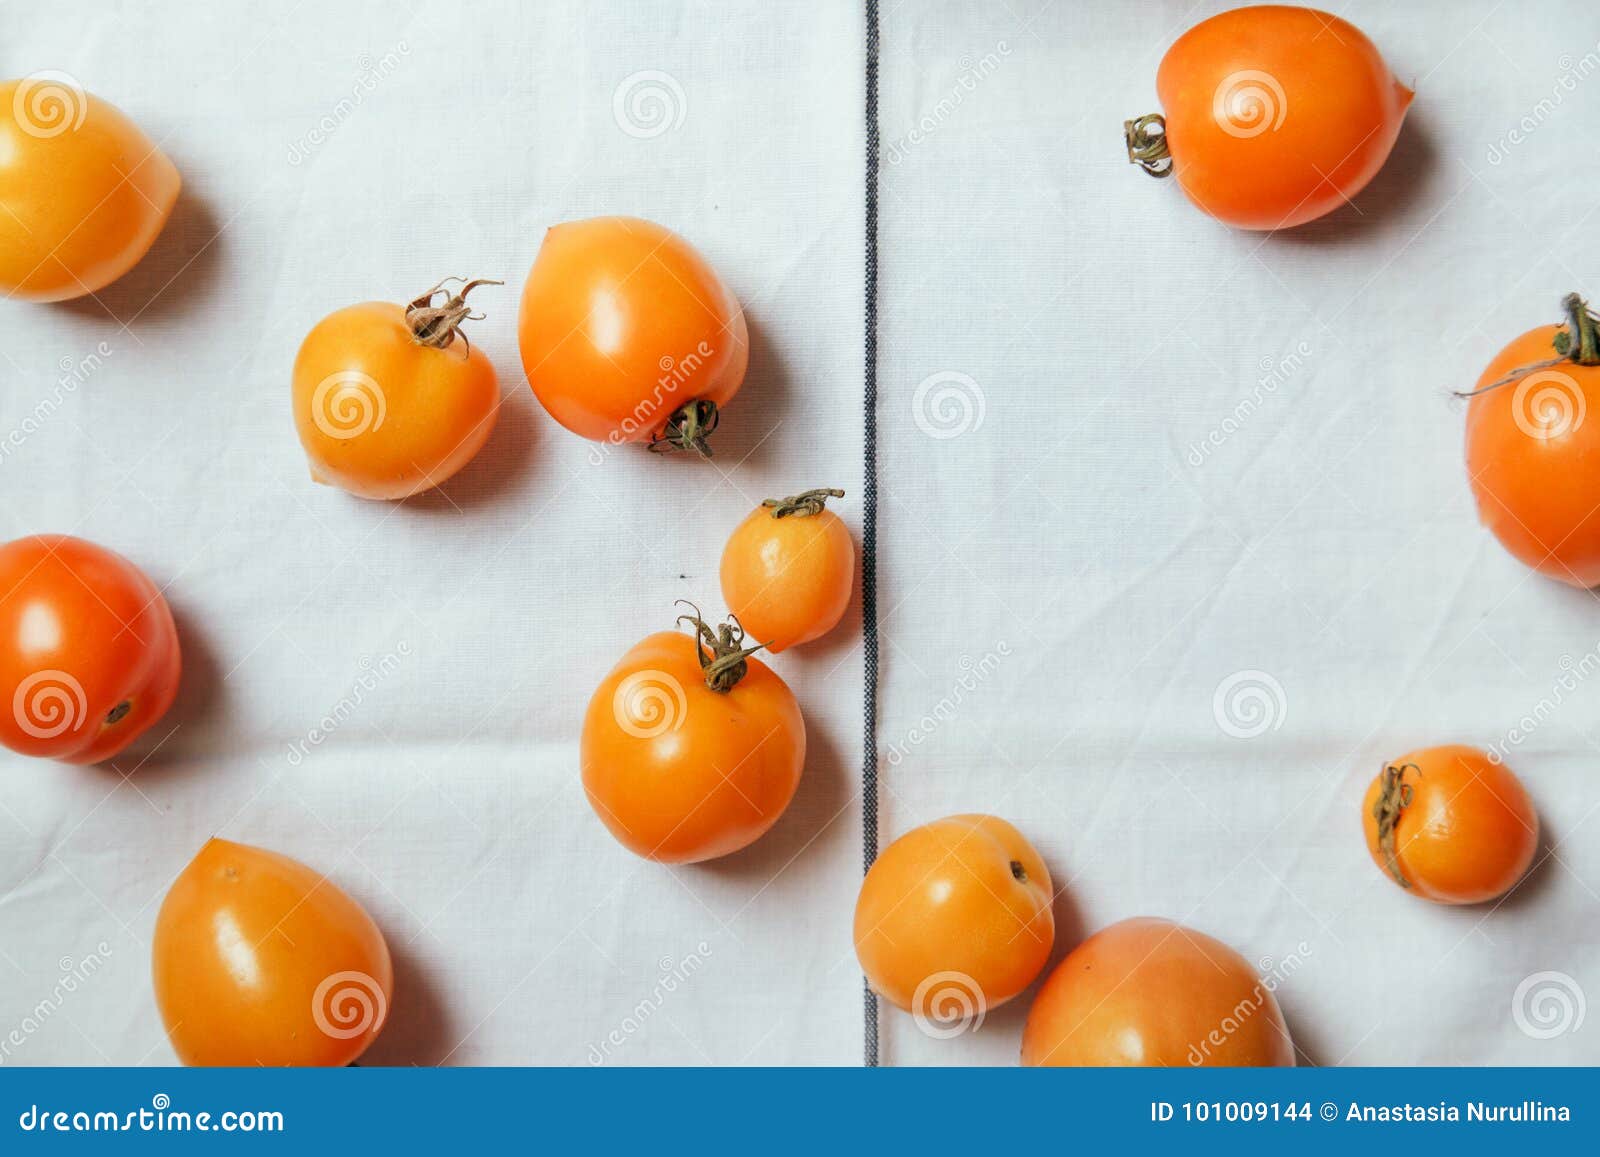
[788,570]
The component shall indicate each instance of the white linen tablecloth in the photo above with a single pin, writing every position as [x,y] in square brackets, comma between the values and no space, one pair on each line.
[1134,466]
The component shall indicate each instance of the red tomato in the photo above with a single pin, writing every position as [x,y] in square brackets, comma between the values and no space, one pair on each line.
[88,650]
[1274,115]
[627,334]
[1533,447]
[1149,992]
[260,960]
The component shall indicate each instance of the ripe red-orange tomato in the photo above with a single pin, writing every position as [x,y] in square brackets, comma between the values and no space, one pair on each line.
[84,192]
[89,654]
[1151,993]
[390,401]
[628,335]
[1533,447]
[1273,115]
[788,569]
[954,919]
[260,960]
[1450,824]
[691,747]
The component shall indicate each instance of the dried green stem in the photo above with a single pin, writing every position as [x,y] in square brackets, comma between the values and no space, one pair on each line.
[1394,797]
[689,428]
[721,649]
[436,326]
[802,505]
[1578,342]
[1146,138]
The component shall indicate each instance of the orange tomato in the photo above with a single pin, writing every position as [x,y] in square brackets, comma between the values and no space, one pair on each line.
[691,748]
[88,651]
[954,919]
[83,193]
[391,401]
[788,569]
[260,960]
[1450,824]
[627,334]
[1533,447]
[1151,993]
[1274,115]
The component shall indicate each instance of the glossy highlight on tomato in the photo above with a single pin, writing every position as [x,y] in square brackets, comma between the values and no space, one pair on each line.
[1151,993]
[89,656]
[628,335]
[788,570]
[260,960]
[692,747]
[83,192]
[1271,116]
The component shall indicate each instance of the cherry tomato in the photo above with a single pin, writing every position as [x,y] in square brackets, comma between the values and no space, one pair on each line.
[83,193]
[627,334]
[1533,447]
[954,919]
[788,569]
[391,401]
[260,960]
[1274,115]
[88,651]
[1450,824]
[1151,993]
[691,748]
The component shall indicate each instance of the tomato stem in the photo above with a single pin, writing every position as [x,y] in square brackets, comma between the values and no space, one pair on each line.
[689,428]
[1393,799]
[722,651]
[436,326]
[1146,148]
[1579,342]
[802,505]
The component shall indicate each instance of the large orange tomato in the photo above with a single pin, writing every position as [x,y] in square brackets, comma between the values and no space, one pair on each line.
[1151,993]
[1533,447]
[954,919]
[627,334]
[391,401]
[88,650]
[788,569]
[1274,115]
[83,193]
[260,960]
[691,748]
[1450,824]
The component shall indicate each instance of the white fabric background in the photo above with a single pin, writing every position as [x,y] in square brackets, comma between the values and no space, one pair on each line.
[1106,326]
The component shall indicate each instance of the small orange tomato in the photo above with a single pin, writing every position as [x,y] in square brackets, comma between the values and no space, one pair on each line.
[627,334]
[88,651]
[788,569]
[1533,447]
[954,919]
[391,401]
[691,748]
[260,960]
[1450,824]
[1151,993]
[1274,115]
[84,192]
